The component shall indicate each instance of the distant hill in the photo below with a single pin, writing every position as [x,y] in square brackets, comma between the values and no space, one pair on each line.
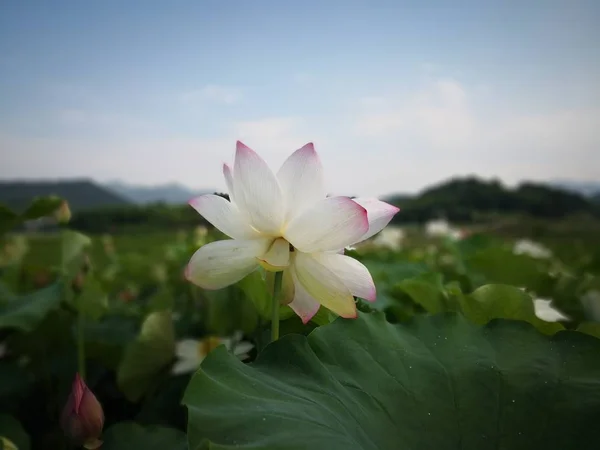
[470,199]
[81,194]
[171,193]
[587,188]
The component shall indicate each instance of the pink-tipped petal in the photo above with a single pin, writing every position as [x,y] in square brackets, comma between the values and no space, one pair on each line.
[324,286]
[353,274]
[301,180]
[257,191]
[222,263]
[379,214]
[303,304]
[228,174]
[224,215]
[329,225]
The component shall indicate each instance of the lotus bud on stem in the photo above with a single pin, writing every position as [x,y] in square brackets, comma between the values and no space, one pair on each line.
[82,418]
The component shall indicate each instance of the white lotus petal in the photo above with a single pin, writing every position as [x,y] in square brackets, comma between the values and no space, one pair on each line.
[301,180]
[185,366]
[222,263]
[224,215]
[304,305]
[242,348]
[257,192]
[324,285]
[379,214]
[353,274]
[331,224]
[228,174]
[187,348]
[545,311]
[227,342]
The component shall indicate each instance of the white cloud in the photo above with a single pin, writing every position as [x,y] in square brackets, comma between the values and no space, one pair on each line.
[382,144]
[447,130]
[195,162]
[213,93]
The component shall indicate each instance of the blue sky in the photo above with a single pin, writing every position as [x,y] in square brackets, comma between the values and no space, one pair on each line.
[395,95]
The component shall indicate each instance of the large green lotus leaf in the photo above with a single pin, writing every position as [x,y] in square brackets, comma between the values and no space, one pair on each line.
[131,436]
[427,290]
[497,301]
[27,311]
[73,245]
[501,265]
[387,274]
[92,302]
[436,382]
[147,356]
[42,207]
[591,328]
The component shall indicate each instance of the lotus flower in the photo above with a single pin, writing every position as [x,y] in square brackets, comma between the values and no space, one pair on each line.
[285,222]
[533,249]
[82,418]
[545,311]
[191,352]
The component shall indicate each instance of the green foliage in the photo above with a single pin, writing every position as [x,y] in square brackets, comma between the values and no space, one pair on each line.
[152,351]
[131,436]
[469,199]
[27,311]
[127,295]
[150,217]
[11,429]
[435,382]
[491,302]
[38,208]
[255,287]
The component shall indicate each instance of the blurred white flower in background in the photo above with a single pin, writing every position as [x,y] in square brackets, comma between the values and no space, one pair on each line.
[442,228]
[533,249]
[191,352]
[545,311]
[390,237]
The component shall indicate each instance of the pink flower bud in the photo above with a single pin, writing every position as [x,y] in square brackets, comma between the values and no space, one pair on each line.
[82,418]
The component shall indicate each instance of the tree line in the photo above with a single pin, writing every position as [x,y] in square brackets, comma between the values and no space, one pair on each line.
[460,200]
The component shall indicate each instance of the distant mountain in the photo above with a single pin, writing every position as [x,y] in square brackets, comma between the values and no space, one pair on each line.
[587,188]
[81,194]
[171,193]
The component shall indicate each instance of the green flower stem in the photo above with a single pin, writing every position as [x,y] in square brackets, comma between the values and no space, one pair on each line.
[275,304]
[81,345]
